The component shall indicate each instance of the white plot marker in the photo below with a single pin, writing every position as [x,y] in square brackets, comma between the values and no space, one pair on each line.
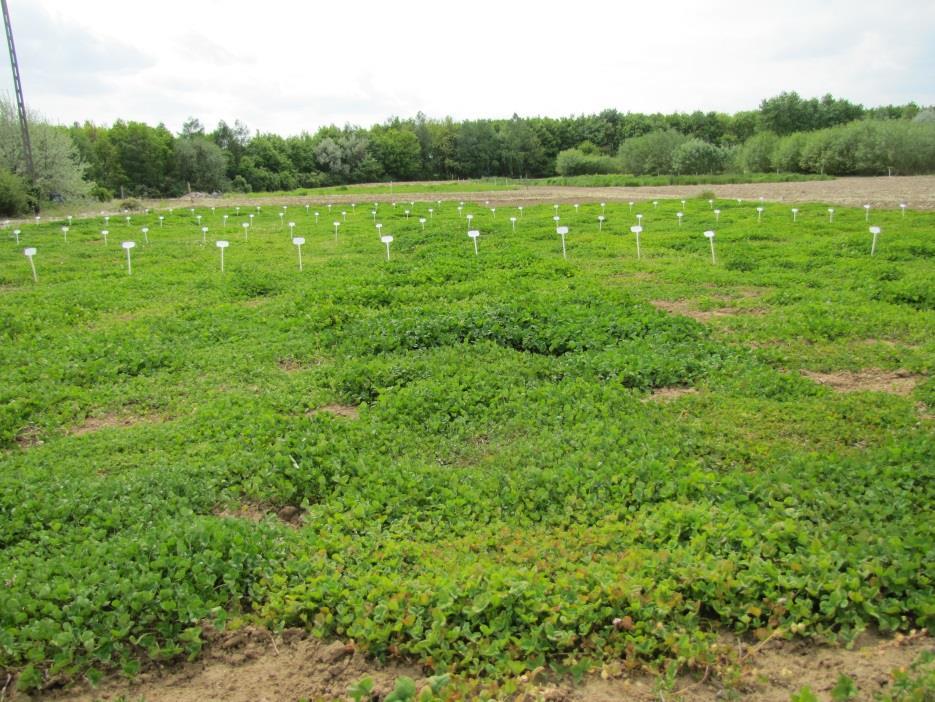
[422,222]
[257,209]
[236,209]
[344,215]
[795,212]
[373,213]
[680,215]
[69,220]
[127,245]
[291,228]
[636,230]
[336,225]
[282,216]
[128,220]
[759,215]
[162,218]
[473,233]
[469,218]
[387,239]
[493,211]
[903,206]
[717,216]
[316,218]
[876,232]
[431,212]
[204,236]
[576,208]
[866,213]
[520,208]
[603,205]
[221,244]
[145,231]
[306,210]
[630,204]
[198,220]
[711,204]
[251,219]
[246,227]
[513,223]
[600,223]
[831,214]
[562,231]
[655,204]
[29,253]
[104,234]
[65,233]
[38,217]
[683,204]
[298,241]
[406,212]
[710,237]
[639,219]
[459,210]
[16,233]
[223,222]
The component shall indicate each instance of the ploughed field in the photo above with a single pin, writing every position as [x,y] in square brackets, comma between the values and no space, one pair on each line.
[473,464]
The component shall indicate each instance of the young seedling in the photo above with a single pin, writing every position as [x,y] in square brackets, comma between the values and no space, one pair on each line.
[298,241]
[866,213]
[473,233]
[600,223]
[65,234]
[29,253]
[710,236]
[680,215]
[795,212]
[104,234]
[513,223]
[561,231]
[873,247]
[387,239]
[221,244]
[145,231]
[127,245]
[636,230]
[830,214]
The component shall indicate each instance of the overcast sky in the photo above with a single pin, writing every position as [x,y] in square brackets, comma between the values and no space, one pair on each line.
[286,67]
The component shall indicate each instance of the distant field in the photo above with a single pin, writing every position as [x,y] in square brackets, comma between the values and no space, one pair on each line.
[473,465]
[453,186]
[631,181]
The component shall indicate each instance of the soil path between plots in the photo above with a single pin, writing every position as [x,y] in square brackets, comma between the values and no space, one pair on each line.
[917,191]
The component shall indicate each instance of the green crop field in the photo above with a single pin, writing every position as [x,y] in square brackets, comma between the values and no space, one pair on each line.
[477,464]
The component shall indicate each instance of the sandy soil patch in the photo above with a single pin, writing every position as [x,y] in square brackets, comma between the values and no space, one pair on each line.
[255,512]
[687,309]
[348,411]
[253,665]
[111,421]
[898,382]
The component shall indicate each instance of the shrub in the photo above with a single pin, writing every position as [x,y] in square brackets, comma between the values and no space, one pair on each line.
[572,162]
[102,194]
[131,204]
[696,156]
[651,153]
[14,194]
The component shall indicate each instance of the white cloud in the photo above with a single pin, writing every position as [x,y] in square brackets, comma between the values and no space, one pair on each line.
[284,67]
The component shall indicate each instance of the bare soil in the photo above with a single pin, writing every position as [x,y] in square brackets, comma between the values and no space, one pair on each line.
[687,309]
[253,665]
[899,382]
[348,411]
[669,394]
[255,512]
[917,191]
[110,421]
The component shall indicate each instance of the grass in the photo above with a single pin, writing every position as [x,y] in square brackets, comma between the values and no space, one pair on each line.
[632,181]
[511,494]
[446,186]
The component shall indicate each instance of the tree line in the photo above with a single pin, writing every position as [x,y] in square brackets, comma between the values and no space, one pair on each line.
[787,132]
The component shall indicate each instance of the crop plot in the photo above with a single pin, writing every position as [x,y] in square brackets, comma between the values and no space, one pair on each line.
[491,461]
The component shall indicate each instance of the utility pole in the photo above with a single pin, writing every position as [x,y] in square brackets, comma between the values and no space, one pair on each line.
[20,103]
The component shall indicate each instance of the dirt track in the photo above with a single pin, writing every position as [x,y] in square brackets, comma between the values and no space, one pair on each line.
[917,191]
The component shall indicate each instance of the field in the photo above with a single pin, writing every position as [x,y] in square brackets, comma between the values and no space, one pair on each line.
[509,468]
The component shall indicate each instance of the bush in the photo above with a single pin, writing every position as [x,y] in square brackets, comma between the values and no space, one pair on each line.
[102,194]
[240,185]
[696,156]
[14,194]
[651,153]
[572,162]
[131,204]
